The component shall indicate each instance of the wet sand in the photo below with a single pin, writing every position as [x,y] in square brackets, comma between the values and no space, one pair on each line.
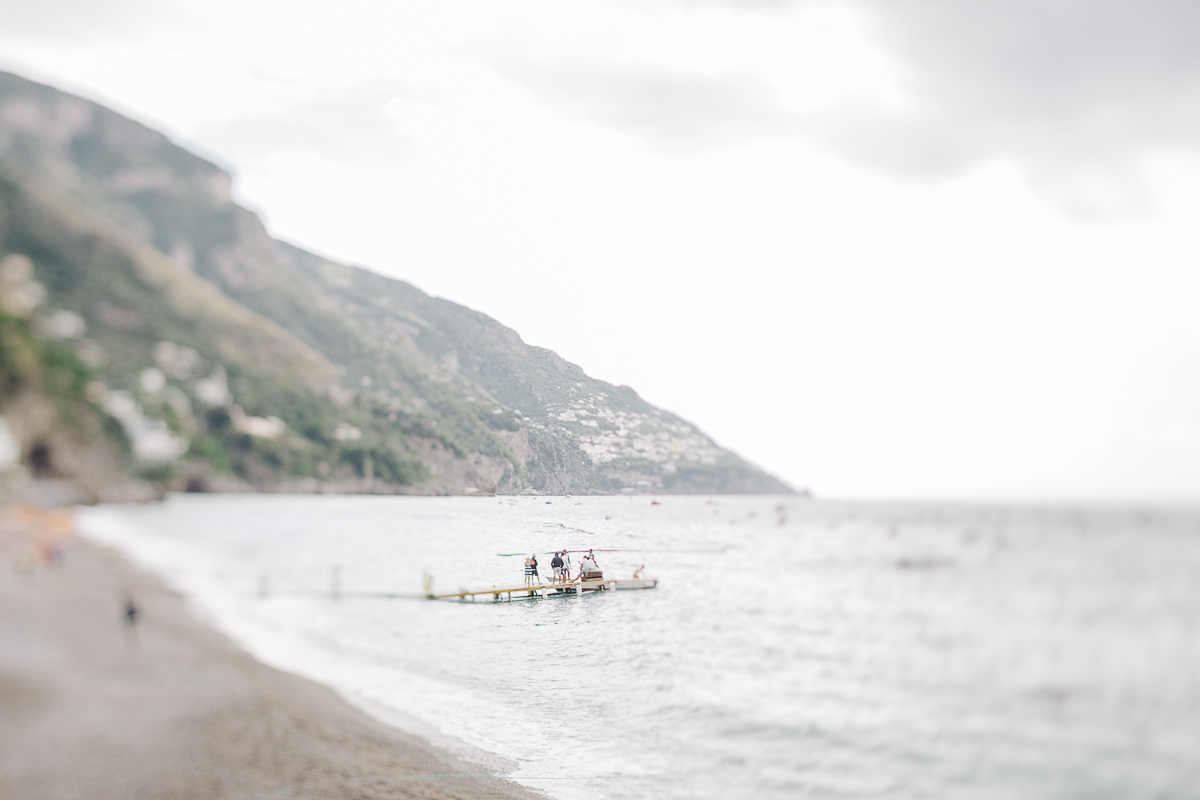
[174,710]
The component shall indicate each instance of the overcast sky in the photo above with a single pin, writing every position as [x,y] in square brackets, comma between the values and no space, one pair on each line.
[923,248]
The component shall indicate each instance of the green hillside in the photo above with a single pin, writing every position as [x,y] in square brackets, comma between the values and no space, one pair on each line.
[275,368]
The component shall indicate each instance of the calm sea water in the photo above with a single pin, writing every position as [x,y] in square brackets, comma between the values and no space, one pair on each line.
[793,649]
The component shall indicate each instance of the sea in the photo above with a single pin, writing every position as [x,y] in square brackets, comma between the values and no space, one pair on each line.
[793,648]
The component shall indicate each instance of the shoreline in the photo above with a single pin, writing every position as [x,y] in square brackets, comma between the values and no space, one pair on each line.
[171,708]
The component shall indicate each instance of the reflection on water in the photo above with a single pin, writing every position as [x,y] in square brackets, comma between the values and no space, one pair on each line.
[793,648]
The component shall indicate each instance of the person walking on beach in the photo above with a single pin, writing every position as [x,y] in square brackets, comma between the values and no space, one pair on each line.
[556,565]
[131,615]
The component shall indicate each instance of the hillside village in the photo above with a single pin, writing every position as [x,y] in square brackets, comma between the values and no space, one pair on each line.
[218,358]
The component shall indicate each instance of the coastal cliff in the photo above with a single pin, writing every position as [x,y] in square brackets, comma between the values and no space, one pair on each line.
[234,361]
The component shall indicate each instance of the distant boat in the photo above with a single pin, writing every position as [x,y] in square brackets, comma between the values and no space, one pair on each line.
[633,583]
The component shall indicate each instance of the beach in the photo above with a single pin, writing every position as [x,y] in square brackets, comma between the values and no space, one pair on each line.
[906,651]
[91,707]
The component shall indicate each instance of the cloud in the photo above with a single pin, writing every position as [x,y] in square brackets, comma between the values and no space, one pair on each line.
[352,125]
[672,109]
[80,21]
[1077,92]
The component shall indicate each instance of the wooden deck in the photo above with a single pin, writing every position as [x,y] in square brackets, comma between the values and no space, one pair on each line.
[524,592]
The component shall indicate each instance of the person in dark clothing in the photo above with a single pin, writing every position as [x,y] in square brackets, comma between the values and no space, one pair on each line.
[556,564]
[131,615]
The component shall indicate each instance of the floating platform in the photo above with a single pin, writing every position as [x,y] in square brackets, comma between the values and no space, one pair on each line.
[527,592]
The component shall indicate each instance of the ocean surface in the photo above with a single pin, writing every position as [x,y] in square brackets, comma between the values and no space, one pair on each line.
[793,648]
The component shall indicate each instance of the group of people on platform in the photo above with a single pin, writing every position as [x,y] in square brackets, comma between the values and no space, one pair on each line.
[561,565]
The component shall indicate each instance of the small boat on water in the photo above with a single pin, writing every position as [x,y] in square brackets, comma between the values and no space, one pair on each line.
[634,583]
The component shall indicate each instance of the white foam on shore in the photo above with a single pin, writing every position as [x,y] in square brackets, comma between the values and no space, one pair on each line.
[400,701]
[468,680]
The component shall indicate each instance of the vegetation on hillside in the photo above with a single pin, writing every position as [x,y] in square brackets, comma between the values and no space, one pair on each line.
[259,362]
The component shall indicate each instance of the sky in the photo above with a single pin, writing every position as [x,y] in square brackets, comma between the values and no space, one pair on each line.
[881,248]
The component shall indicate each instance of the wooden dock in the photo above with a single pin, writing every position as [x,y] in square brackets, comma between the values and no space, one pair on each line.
[526,592]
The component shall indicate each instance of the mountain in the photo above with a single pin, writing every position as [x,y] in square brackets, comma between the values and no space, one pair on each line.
[234,360]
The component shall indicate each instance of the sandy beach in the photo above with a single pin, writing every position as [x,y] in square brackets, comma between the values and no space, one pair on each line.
[172,709]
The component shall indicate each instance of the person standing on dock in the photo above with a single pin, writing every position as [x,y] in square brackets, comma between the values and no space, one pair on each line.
[533,570]
[587,565]
[528,571]
[556,565]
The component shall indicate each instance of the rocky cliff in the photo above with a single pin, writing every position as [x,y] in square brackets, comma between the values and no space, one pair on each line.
[234,360]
